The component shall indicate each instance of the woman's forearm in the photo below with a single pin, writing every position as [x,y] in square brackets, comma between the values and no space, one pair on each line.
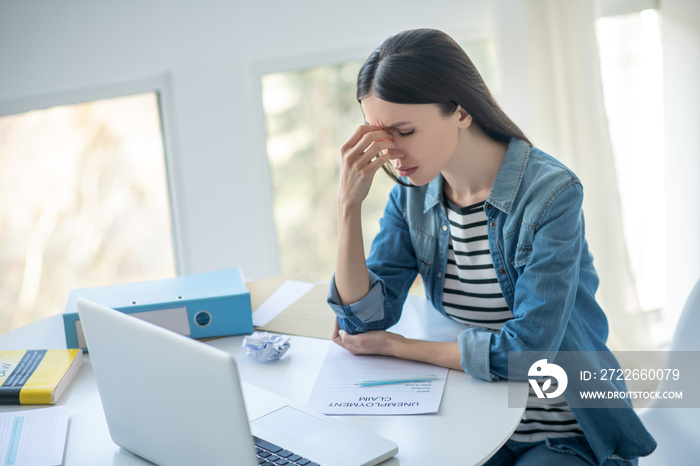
[365,151]
[445,354]
[351,276]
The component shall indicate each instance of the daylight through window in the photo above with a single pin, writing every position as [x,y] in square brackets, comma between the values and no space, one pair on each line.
[85,203]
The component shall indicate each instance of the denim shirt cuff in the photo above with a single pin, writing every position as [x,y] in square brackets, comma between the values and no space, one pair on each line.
[474,346]
[363,315]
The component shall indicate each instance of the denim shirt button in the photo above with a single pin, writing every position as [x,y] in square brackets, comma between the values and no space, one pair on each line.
[492,224]
[502,271]
[444,228]
[439,274]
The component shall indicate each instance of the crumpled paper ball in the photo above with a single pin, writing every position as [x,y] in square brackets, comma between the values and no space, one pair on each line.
[263,346]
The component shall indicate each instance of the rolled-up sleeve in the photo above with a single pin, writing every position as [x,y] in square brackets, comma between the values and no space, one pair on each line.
[363,315]
[475,347]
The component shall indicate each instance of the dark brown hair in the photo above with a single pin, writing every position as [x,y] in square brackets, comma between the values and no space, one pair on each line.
[426,66]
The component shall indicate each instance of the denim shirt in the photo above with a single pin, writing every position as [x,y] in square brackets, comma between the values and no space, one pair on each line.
[544,269]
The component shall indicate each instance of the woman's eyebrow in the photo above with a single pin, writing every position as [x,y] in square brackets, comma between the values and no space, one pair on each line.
[395,125]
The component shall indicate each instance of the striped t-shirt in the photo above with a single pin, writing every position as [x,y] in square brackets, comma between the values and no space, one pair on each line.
[472,295]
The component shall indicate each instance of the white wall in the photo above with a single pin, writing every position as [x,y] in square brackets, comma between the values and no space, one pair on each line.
[205,58]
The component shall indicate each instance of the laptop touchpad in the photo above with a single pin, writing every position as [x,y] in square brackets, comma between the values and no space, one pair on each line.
[290,423]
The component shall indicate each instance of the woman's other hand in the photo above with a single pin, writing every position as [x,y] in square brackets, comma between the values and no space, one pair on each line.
[378,342]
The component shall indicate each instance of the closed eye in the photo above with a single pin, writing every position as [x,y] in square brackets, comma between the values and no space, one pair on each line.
[405,134]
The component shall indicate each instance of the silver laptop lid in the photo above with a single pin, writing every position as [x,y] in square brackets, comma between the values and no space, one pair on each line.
[167,398]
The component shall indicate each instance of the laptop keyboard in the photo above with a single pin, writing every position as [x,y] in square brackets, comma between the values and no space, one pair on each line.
[270,454]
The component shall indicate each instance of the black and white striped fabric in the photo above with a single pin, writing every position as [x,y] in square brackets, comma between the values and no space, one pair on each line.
[472,295]
[546,418]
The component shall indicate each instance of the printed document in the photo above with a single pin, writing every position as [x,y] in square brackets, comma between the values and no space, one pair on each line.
[34,437]
[349,384]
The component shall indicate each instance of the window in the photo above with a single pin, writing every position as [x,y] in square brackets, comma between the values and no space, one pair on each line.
[85,203]
[630,54]
[309,113]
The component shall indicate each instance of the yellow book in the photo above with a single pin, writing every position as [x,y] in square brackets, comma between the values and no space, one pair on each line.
[36,376]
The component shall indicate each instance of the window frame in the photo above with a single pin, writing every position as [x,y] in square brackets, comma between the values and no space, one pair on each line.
[161,86]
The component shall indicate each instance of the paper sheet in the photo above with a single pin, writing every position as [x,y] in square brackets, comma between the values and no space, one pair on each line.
[336,391]
[33,437]
[287,294]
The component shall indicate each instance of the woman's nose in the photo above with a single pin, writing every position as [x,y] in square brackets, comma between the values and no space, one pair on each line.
[395,153]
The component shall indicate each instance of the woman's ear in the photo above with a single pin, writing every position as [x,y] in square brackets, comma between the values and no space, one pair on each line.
[465,119]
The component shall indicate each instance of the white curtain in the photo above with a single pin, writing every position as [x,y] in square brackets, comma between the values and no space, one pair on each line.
[551,86]
[680,37]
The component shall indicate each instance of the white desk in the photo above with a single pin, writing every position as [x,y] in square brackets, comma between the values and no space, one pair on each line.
[473,421]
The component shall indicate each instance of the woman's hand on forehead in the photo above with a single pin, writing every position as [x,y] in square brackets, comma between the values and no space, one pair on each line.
[365,151]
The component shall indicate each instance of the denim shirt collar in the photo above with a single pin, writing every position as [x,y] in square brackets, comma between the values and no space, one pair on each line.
[510,175]
[504,188]
[433,194]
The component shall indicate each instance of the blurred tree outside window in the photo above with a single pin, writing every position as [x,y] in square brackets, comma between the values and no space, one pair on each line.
[309,114]
[85,203]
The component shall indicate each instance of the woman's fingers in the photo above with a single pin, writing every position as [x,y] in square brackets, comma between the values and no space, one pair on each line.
[362,155]
[372,342]
[360,133]
[374,157]
[336,329]
[370,153]
[365,144]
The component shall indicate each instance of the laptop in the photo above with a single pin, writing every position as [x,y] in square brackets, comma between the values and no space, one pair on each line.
[173,400]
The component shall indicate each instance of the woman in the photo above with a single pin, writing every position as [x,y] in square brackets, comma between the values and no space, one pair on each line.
[495,229]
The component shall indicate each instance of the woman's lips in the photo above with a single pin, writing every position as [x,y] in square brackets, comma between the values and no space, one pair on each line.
[406,172]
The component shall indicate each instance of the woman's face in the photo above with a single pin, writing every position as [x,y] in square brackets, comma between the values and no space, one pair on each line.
[425,139]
